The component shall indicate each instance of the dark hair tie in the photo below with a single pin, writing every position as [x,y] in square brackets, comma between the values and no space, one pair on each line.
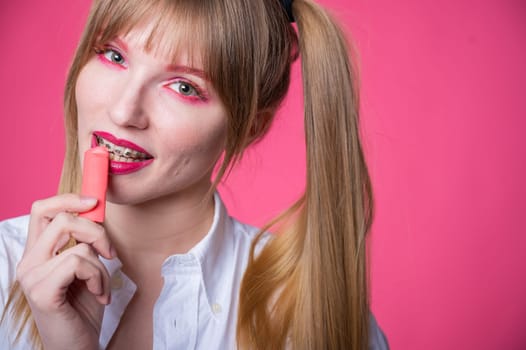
[287,5]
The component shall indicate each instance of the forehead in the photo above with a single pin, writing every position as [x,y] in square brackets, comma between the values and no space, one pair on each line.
[166,31]
[170,48]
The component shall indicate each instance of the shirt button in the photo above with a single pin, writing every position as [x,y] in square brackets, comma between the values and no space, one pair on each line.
[175,323]
[216,308]
[116,281]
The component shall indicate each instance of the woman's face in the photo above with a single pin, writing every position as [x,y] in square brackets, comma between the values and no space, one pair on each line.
[163,122]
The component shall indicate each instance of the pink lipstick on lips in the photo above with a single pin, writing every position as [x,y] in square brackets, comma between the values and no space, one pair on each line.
[125,156]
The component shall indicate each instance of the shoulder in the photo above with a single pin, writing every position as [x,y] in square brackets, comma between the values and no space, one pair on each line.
[13,234]
[14,229]
[243,231]
[377,338]
[246,234]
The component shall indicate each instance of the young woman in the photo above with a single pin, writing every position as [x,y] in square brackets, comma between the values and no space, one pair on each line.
[171,88]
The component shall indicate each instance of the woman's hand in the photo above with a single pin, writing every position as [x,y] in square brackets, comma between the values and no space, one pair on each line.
[67,291]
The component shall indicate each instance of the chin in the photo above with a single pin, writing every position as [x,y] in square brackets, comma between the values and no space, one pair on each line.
[126,198]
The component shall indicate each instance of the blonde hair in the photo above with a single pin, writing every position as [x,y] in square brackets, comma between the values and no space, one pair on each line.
[308,287]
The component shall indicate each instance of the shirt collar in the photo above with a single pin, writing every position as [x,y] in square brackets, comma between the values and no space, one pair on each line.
[214,255]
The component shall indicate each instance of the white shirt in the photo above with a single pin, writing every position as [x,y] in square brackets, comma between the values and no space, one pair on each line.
[197,307]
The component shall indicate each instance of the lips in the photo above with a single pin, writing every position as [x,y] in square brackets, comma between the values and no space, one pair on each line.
[125,156]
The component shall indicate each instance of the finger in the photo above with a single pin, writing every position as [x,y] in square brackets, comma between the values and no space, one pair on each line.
[87,252]
[30,277]
[58,232]
[47,285]
[83,231]
[44,211]
[96,236]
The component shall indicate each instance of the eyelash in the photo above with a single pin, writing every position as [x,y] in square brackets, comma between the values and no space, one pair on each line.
[199,94]
[102,52]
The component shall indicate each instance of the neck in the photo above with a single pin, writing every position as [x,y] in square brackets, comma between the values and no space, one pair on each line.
[145,235]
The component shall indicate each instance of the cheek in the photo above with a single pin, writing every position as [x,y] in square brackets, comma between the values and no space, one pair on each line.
[214,137]
[201,132]
[209,138]
[82,87]
[87,92]
[215,128]
[195,148]
[81,96]
[197,144]
[93,88]
[91,97]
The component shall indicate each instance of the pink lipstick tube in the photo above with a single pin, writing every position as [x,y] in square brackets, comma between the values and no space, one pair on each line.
[95,181]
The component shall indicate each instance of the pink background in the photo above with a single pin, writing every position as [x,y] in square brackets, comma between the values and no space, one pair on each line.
[444,118]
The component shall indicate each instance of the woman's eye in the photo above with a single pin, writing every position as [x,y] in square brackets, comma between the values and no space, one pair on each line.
[184,88]
[113,56]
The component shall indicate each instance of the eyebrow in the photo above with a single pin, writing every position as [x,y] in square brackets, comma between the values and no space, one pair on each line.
[190,70]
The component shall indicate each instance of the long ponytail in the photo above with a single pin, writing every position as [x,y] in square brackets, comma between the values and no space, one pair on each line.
[307,289]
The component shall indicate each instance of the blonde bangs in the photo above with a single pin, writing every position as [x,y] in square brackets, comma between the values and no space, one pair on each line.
[172,27]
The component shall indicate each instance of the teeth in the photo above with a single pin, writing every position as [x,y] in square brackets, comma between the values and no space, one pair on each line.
[121,154]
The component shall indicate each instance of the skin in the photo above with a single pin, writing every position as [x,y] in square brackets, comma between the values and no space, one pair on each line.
[161,210]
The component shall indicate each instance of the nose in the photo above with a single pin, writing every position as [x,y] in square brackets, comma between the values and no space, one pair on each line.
[127,108]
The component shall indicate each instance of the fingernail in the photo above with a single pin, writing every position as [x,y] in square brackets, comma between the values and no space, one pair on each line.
[88,200]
